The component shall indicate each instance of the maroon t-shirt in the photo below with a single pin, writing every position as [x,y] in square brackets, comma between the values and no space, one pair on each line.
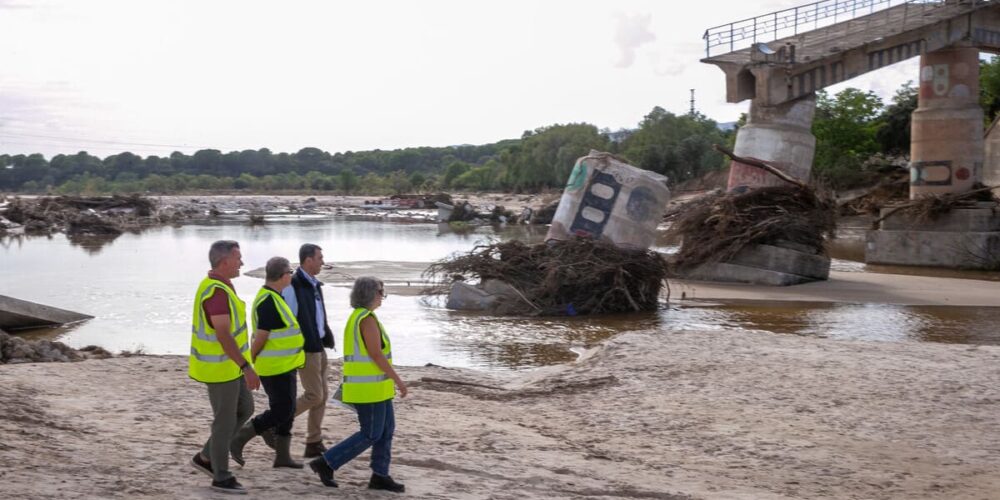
[218,303]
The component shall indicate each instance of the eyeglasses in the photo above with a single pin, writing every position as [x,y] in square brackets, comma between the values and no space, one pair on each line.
[381,291]
[289,272]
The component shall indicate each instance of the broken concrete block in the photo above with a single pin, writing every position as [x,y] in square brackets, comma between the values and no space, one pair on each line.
[608,199]
[486,296]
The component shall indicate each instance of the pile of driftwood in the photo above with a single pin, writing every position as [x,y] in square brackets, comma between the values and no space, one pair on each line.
[929,207]
[76,215]
[578,276]
[714,228]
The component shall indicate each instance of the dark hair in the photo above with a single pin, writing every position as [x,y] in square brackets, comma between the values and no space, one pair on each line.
[276,268]
[307,250]
[220,250]
[364,290]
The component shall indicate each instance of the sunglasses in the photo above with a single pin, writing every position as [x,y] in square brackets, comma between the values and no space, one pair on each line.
[381,291]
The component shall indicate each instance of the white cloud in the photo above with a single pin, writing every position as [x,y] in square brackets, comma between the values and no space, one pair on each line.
[630,34]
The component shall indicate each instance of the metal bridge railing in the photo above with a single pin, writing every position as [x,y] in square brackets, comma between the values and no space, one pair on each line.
[790,22]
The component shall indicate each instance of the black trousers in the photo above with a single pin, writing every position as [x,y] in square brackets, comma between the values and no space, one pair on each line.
[279,416]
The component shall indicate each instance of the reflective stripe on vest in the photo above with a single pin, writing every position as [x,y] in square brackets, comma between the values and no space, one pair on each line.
[363,359]
[364,381]
[283,351]
[208,361]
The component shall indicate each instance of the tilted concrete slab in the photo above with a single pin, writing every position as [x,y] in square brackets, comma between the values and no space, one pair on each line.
[17,314]
[784,260]
[841,51]
[765,265]
[736,273]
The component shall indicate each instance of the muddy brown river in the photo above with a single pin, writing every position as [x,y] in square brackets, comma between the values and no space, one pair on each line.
[140,287]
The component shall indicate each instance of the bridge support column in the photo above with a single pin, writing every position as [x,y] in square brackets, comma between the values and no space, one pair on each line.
[946,146]
[946,156]
[780,135]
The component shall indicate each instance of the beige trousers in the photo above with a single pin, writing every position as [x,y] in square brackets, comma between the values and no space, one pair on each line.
[315,392]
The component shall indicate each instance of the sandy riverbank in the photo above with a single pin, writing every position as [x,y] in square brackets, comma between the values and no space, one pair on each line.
[647,415]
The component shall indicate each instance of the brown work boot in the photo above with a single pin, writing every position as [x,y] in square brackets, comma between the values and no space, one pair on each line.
[314,450]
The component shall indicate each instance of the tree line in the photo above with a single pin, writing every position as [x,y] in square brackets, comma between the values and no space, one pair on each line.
[676,146]
[850,127]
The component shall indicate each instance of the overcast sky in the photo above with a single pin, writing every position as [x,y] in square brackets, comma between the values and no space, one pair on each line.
[156,76]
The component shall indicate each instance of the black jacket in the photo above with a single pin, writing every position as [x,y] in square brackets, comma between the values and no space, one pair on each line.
[307,313]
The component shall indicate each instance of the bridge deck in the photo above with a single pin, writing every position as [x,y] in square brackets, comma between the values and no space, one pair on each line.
[797,66]
[829,40]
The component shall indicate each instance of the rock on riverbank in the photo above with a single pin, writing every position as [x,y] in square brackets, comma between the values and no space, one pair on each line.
[14,349]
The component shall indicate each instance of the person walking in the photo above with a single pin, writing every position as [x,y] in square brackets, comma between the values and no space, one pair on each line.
[305,298]
[370,384]
[220,358]
[277,354]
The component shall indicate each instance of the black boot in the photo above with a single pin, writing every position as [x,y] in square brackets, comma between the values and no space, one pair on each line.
[283,454]
[386,483]
[323,470]
[242,437]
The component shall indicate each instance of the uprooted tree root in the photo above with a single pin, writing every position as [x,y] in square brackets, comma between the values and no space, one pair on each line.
[929,207]
[578,276]
[716,228]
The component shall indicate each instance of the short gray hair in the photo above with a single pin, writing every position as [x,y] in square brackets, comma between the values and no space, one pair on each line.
[363,293]
[275,268]
[220,250]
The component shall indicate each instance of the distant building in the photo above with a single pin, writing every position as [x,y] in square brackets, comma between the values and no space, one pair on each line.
[726,126]
[619,136]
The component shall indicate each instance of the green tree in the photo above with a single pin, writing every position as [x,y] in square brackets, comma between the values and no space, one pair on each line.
[545,156]
[452,171]
[846,127]
[348,181]
[417,180]
[679,147]
[894,134]
[989,88]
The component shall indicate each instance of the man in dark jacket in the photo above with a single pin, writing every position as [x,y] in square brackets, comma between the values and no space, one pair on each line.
[305,297]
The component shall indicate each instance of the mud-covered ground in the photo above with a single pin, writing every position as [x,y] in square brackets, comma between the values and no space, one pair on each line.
[649,414]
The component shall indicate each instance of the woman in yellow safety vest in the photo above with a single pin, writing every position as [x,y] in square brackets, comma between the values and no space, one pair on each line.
[369,384]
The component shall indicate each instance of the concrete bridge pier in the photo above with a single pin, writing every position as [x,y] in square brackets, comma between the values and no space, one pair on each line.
[946,146]
[946,156]
[781,135]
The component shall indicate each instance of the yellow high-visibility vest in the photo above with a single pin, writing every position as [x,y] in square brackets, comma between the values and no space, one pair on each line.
[364,381]
[283,351]
[208,362]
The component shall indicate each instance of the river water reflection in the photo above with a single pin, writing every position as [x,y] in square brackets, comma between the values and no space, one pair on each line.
[139,287]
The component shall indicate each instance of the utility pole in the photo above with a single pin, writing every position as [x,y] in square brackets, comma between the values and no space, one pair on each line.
[692,103]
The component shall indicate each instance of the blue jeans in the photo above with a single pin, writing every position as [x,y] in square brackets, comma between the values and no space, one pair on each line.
[377,425]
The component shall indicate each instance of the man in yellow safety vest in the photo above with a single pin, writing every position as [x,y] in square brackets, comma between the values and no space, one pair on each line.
[277,350]
[220,358]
